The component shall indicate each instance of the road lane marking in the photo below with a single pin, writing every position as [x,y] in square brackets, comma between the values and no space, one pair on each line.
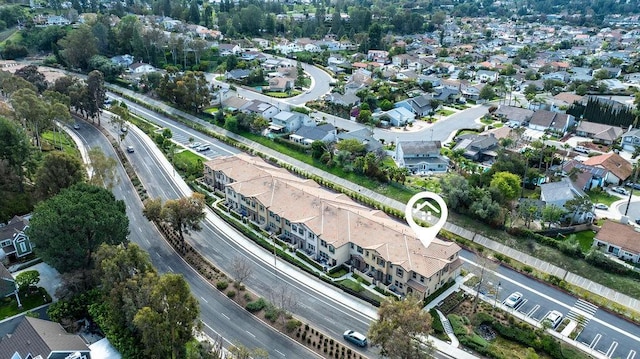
[279,352]
[554,300]
[171,269]
[224,315]
[201,297]
[248,332]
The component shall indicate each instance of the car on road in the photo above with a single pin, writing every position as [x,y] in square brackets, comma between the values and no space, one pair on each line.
[554,318]
[124,129]
[634,185]
[620,190]
[202,148]
[513,300]
[601,206]
[638,221]
[76,126]
[195,145]
[355,338]
[130,149]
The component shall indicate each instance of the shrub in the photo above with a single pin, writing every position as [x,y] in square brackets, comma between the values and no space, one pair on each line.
[256,306]
[222,285]
[436,323]
[292,324]
[272,313]
[231,294]
[457,324]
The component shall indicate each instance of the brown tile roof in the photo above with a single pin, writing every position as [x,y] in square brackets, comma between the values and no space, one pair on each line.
[613,163]
[336,218]
[41,337]
[568,97]
[621,235]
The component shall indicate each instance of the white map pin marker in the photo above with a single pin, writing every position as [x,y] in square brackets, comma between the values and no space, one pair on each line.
[426,234]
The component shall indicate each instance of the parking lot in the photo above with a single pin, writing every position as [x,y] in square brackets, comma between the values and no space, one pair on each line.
[598,333]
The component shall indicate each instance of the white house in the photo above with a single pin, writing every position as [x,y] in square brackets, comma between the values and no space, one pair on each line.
[620,240]
[286,121]
[398,116]
[141,68]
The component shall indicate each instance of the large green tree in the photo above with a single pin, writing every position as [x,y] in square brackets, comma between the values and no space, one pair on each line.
[78,47]
[15,150]
[68,228]
[58,171]
[401,329]
[184,214]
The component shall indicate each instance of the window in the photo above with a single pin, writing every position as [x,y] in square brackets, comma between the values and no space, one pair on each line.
[262,219]
[421,279]
[332,249]
[360,250]
[300,230]
[323,243]
[381,262]
[352,245]
[294,227]
[286,221]
[414,275]
[399,272]
[5,243]
[23,247]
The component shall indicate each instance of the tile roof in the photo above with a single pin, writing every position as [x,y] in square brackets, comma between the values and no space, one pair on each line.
[338,219]
[612,162]
[621,235]
[41,337]
[600,131]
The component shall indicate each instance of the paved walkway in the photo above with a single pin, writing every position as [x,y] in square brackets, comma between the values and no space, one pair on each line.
[542,266]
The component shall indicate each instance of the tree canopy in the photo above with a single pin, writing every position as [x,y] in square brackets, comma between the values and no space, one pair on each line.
[58,171]
[67,228]
[401,329]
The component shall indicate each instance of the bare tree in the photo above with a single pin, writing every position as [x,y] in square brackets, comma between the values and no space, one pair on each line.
[486,271]
[283,301]
[242,269]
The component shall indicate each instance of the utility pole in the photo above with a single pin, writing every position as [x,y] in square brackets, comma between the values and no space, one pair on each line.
[635,178]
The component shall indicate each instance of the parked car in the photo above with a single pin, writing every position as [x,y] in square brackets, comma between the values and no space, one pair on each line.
[76,126]
[581,149]
[601,206]
[130,149]
[554,318]
[195,145]
[638,221]
[620,190]
[355,338]
[202,148]
[633,185]
[513,300]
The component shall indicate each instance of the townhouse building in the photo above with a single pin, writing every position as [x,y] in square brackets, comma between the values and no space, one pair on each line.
[331,228]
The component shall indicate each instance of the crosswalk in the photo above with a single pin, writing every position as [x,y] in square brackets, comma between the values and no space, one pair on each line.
[582,311]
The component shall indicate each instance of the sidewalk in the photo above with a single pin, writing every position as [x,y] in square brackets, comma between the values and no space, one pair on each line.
[542,266]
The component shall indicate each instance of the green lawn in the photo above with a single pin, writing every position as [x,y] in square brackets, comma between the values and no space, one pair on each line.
[189,163]
[189,156]
[283,94]
[585,238]
[9,305]
[11,35]
[211,110]
[445,112]
[59,141]
[351,284]
[602,197]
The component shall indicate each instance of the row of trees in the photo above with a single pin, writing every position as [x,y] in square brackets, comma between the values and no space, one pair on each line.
[606,112]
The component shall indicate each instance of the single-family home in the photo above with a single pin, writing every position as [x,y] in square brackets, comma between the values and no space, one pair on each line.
[330,228]
[631,140]
[306,135]
[618,168]
[563,100]
[620,240]
[261,108]
[38,338]
[558,193]
[365,136]
[235,103]
[122,60]
[487,76]
[141,68]
[287,122]
[237,74]
[229,49]
[599,132]
[544,120]
[280,84]
[419,105]
[583,176]
[349,98]
[421,157]
[379,56]
[397,117]
[514,116]
[260,42]
[477,148]
[8,286]
[13,240]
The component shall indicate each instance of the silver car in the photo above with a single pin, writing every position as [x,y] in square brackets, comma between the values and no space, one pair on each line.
[513,300]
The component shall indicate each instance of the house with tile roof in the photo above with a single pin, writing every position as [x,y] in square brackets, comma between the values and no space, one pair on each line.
[331,228]
[37,338]
[14,242]
[599,132]
[618,169]
[620,240]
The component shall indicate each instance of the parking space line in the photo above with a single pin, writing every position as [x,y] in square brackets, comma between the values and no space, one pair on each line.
[632,354]
[612,348]
[595,341]
[533,310]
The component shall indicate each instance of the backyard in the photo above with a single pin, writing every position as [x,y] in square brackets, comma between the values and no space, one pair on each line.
[9,305]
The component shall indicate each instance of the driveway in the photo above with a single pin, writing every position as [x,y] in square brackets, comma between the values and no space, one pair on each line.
[49,278]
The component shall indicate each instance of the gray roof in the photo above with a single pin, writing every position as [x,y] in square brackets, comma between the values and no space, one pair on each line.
[315,133]
[42,337]
[600,131]
[15,226]
[364,135]
[411,148]
[514,113]
[549,119]
[560,191]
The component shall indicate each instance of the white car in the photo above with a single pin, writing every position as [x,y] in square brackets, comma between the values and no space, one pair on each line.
[513,300]
[620,190]
[195,145]
[355,338]
[554,318]
[202,148]
[601,206]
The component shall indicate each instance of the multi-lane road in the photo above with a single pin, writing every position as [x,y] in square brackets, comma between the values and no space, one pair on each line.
[604,333]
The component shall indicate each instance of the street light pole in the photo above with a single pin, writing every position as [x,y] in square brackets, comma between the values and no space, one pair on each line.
[635,178]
